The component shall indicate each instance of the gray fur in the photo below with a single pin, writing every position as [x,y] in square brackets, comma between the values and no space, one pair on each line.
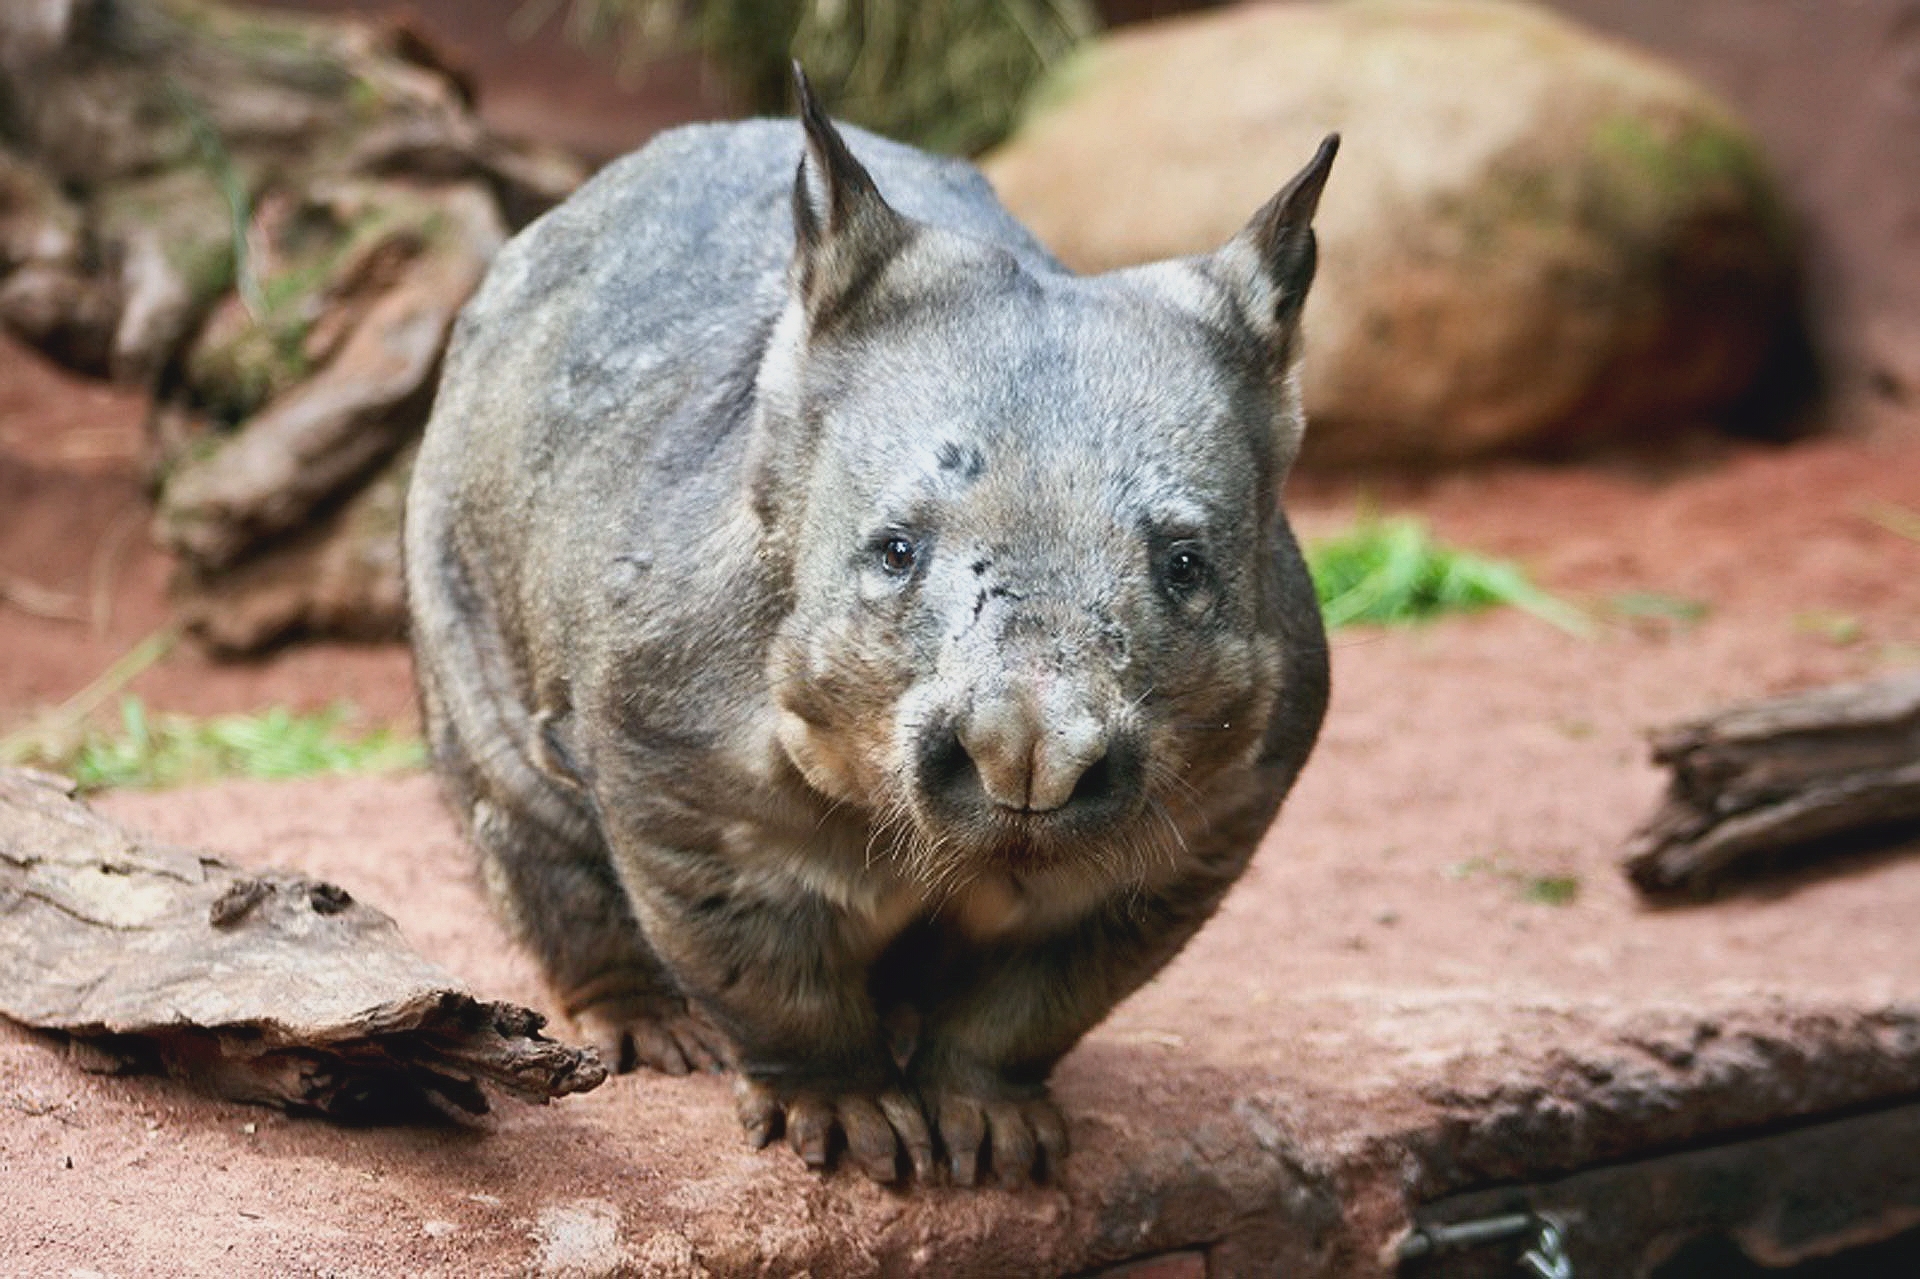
[888,841]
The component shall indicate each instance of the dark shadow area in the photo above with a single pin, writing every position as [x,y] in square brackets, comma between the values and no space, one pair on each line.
[1776,876]
[1786,399]
[1708,1257]
[1718,1257]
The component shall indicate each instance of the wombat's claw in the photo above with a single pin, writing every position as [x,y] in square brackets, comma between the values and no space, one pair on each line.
[1023,1140]
[673,1043]
[876,1128]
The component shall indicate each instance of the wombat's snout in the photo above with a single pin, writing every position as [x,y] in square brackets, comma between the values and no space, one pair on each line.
[1008,756]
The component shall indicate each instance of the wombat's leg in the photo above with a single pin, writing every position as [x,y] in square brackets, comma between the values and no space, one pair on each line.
[997,1018]
[541,853]
[563,900]
[784,974]
[545,865]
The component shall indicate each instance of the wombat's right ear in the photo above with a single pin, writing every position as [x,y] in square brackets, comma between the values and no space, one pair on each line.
[1270,264]
[841,243]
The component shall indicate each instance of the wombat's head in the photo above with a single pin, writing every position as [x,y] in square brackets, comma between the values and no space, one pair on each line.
[1031,528]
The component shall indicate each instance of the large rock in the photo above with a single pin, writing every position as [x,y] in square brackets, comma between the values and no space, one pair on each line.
[1832,92]
[1534,237]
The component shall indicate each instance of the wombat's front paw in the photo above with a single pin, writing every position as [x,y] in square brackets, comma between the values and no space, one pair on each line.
[1020,1138]
[660,1033]
[876,1127]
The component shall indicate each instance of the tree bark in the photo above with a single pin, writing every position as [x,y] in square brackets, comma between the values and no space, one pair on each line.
[1795,774]
[262,986]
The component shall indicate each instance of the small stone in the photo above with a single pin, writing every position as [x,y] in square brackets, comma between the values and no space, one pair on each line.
[579,1240]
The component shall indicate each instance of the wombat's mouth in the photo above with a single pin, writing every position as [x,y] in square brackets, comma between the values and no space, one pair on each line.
[993,838]
[1020,854]
[1041,844]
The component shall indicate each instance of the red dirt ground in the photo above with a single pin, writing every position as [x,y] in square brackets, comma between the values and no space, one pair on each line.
[1395,944]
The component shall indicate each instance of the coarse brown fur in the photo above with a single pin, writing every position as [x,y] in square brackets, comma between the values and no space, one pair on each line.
[862,651]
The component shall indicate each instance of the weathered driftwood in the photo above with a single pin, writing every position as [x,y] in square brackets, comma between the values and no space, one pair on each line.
[1783,776]
[271,220]
[261,986]
[338,576]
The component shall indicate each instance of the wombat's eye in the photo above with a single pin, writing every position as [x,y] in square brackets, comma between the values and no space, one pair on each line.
[897,555]
[1186,568]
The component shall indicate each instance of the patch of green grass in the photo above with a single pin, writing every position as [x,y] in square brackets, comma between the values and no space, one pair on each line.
[1655,615]
[1551,890]
[51,740]
[154,751]
[1392,571]
[1541,890]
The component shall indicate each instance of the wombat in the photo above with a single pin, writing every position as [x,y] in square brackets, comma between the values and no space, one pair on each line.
[861,650]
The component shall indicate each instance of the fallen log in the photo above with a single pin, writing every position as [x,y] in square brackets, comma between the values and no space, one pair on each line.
[1791,775]
[262,986]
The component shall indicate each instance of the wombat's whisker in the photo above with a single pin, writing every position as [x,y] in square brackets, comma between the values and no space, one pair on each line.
[894,823]
[1172,782]
[884,826]
[827,814]
[955,880]
[1172,827]
[1167,776]
[1161,848]
[1137,859]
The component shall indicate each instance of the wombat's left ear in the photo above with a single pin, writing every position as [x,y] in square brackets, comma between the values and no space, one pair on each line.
[841,244]
[1270,264]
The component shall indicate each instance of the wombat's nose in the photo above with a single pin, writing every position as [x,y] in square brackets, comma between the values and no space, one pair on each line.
[1032,760]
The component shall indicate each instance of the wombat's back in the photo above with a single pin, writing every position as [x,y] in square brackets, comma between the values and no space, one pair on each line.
[663,273]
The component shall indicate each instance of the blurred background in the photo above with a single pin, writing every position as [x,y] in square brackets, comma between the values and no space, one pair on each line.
[1558,230]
